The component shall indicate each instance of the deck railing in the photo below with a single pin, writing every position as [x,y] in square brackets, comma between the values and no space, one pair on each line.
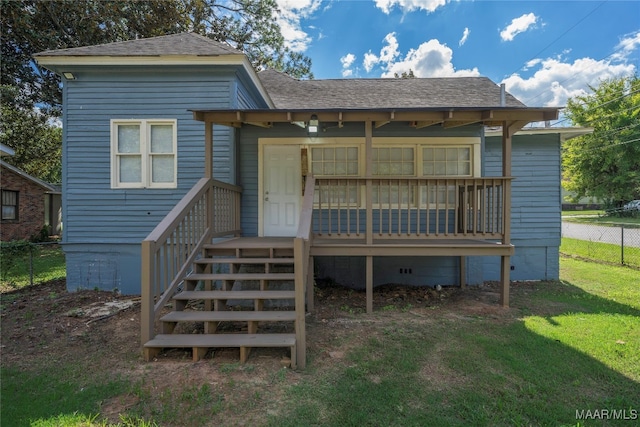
[406,207]
[210,209]
[303,269]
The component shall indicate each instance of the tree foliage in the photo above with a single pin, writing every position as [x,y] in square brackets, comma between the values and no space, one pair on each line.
[405,75]
[606,163]
[33,26]
[32,94]
[35,141]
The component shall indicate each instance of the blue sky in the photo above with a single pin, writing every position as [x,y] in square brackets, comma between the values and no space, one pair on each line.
[544,51]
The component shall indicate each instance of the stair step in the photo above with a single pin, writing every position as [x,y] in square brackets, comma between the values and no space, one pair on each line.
[221,340]
[229,316]
[241,276]
[245,261]
[226,295]
[253,243]
[200,343]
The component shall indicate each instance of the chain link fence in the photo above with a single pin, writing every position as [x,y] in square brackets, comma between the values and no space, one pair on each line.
[613,244]
[23,263]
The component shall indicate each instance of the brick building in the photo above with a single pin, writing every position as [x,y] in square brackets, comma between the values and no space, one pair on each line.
[28,204]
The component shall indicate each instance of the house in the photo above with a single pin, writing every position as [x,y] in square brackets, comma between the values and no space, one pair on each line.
[238,183]
[28,203]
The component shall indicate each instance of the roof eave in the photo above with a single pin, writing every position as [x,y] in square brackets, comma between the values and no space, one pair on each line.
[418,117]
[57,63]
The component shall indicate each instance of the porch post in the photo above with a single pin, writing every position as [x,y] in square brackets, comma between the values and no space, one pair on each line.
[208,150]
[368,154]
[505,262]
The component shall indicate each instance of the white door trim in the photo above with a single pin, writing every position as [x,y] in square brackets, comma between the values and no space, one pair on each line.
[261,185]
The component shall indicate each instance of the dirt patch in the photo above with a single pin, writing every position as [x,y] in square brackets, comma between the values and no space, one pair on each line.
[44,324]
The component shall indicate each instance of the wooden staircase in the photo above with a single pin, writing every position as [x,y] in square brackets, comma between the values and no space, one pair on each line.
[240,294]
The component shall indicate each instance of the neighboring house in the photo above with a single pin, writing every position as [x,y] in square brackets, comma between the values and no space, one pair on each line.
[368,181]
[28,204]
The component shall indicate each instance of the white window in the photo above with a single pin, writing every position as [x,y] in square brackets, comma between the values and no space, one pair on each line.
[143,154]
[393,161]
[446,161]
[334,161]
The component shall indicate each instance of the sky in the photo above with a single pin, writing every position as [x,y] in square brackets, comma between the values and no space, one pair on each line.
[544,51]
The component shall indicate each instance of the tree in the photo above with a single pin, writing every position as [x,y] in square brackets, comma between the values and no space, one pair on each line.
[32,94]
[405,75]
[32,26]
[35,140]
[606,163]
[249,26]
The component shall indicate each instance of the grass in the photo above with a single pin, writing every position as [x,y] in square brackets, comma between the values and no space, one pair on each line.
[48,264]
[598,218]
[568,346]
[585,353]
[582,213]
[602,252]
[47,394]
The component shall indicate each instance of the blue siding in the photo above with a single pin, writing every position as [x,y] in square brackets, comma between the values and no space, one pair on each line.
[249,153]
[350,270]
[103,226]
[535,207]
[535,226]
[94,212]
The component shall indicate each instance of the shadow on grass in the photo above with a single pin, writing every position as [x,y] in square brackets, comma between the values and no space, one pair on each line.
[47,394]
[484,371]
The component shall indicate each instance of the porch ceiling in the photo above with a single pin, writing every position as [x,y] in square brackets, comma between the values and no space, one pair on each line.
[446,117]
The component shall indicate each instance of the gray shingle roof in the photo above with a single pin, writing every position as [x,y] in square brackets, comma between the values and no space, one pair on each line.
[459,92]
[174,44]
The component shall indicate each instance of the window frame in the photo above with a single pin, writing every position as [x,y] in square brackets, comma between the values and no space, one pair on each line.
[145,154]
[15,206]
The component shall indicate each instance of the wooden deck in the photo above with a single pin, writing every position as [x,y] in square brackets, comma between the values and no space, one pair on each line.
[409,247]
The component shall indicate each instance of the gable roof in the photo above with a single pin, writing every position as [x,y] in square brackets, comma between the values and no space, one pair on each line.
[191,44]
[6,150]
[50,188]
[173,49]
[447,92]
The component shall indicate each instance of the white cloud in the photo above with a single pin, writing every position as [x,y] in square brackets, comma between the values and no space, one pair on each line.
[555,82]
[628,44]
[389,52]
[430,59]
[465,36]
[517,26]
[347,73]
[370,61]
[347,60]
[289,16]
[410,5]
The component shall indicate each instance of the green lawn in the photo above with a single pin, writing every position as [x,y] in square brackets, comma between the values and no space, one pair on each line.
[581,213]
[597,217]
[563,347]
[577,348]
[601,252]
[45,261]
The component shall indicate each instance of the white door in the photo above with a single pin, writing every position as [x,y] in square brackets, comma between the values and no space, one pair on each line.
[282,190]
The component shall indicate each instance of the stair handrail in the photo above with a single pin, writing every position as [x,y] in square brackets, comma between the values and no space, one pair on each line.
[301,250]
[174,244]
